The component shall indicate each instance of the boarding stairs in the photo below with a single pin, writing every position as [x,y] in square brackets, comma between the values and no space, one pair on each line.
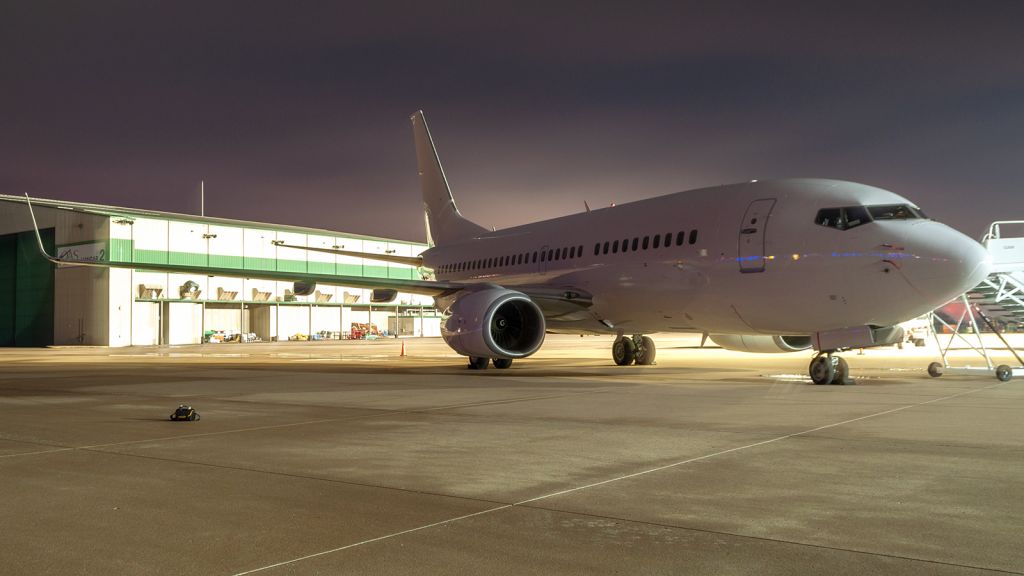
[998,298]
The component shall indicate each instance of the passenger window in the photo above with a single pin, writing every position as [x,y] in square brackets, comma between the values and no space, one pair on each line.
[597,249]
[693,236]
[646,243]
[615,247]
[625,245]
[579,251]
[636,242]
[680,238]
[551,253]
[534,258]
[565,252]
[605,250]
[657,241]
[668,239]
[557,252]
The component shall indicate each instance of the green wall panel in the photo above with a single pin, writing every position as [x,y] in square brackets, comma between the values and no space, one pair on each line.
[321,268]
[149,256]
[8,260]
[375,271]
[250,263]
[402,273]
[120,250]
[291,265]
[33,319]
[187,259]
[221,261]
[350,269]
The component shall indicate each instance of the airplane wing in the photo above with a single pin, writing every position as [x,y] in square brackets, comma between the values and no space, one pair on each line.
[407,260]
[425,287]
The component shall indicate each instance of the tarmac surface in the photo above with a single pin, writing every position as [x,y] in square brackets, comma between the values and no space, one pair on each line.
[346,458]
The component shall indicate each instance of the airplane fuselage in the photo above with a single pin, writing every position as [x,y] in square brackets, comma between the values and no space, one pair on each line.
[746,258]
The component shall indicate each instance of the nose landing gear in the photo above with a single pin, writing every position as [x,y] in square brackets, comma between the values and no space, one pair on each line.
[826,368]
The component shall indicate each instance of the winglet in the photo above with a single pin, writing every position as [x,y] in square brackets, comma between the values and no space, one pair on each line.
[39,237]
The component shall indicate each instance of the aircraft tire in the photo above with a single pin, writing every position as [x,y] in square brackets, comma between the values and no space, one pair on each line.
[822,370]
[478,363]
[502,363]
[623,351]
[646,352]
[935,369]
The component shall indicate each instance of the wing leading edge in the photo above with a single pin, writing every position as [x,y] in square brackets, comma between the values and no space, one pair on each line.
[425,287]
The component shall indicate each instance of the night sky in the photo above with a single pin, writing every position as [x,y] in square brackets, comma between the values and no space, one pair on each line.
[297,112]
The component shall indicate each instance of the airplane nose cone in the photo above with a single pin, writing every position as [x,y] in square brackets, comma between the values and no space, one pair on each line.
[943,262]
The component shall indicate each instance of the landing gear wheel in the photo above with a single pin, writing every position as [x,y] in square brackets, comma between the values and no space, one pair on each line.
[502,363]
[842,375]
[822,370]
[478,362]
[646,351]
[1004,373]
[935,369]
[623,351]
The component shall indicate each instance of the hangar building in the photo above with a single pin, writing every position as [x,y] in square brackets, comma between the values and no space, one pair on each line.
[42,304]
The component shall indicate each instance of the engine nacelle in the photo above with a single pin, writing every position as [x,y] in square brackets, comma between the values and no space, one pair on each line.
[761,343]
[493,323]
[303,288]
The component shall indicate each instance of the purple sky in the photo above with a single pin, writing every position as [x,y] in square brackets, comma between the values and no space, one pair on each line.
[297,113]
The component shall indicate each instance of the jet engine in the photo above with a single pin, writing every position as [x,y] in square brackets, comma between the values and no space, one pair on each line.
[493,322]
[303,288]
[761,343]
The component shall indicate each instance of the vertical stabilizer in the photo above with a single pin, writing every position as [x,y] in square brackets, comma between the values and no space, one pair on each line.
[445,224]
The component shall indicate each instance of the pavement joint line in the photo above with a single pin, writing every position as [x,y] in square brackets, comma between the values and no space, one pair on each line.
[523,503]
[766,539]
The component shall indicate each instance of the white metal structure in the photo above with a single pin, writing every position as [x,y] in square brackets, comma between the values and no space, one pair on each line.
[999,296]
[780,265]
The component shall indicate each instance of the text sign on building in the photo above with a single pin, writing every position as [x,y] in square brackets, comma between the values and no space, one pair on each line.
[91,252]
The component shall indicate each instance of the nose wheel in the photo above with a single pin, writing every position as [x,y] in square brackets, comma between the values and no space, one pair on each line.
[827,368]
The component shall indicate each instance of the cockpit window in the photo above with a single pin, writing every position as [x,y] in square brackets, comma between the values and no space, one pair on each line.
[842,218]
[853,216]
[895,212]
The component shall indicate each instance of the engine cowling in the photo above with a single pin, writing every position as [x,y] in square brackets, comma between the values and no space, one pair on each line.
[493,323]
[761,343]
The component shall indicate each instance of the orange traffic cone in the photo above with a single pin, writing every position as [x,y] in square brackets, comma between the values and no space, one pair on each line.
[403,348]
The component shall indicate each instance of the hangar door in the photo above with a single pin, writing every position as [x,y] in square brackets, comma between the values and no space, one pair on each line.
[26,290]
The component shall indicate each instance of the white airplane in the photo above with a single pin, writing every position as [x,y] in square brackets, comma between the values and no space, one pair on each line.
[762,266]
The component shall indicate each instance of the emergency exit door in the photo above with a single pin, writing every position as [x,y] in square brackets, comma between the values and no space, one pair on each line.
[752,230]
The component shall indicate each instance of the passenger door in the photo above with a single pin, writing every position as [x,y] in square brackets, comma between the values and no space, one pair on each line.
[752,231]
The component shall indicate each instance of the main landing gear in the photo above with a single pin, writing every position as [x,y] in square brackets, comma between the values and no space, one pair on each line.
[481,362]
[827,368]
[639,349]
